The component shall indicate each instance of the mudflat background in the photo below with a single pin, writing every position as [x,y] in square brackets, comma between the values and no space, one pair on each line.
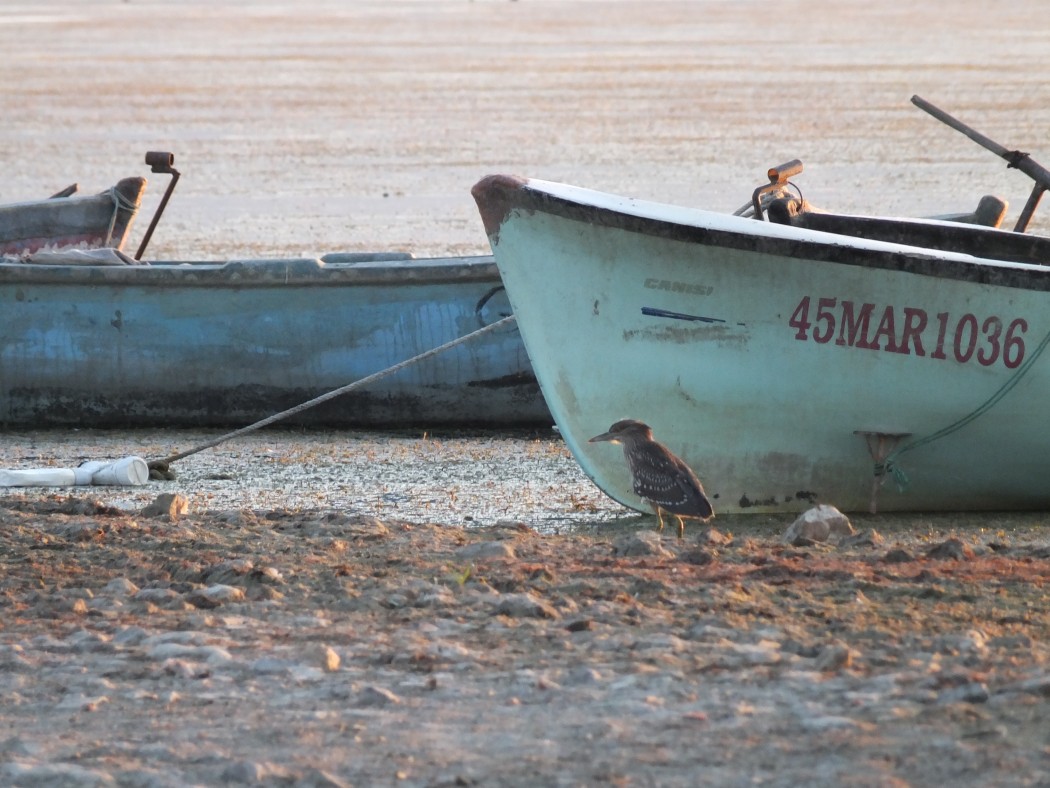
[315,618]
[321,126]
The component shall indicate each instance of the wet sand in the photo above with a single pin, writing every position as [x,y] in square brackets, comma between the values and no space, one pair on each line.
[313,619]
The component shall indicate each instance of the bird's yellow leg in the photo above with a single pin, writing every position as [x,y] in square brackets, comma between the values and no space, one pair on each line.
[681,527]
[659,517]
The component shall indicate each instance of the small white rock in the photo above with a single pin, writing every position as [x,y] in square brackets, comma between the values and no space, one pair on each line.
[377,696]
[822,523]
[120,586]
[525,606]
[483,551]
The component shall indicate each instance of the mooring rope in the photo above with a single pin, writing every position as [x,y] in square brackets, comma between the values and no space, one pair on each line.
[889,465]
[119,201]
[161,465]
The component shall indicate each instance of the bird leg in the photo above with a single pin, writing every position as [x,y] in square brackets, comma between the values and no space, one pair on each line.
[660,519]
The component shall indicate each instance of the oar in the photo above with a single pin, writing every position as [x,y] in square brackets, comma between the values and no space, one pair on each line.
[1014,158]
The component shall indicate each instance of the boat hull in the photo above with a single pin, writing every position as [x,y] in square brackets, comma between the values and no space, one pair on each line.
[84,222]
[209,344]
[768,356]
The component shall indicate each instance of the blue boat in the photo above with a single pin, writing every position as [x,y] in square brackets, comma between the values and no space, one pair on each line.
[793,357]
[93,342]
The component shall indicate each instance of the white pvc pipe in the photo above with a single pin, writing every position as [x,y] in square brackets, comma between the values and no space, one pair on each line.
[125,471]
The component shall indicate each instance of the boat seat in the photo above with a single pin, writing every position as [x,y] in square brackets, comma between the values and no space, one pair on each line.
[966,237]
[990,212]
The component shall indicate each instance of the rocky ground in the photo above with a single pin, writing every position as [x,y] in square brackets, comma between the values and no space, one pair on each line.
[319,648]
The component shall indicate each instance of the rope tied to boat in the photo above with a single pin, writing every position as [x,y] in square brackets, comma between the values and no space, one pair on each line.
[119,201]
[891,467]
[161,466]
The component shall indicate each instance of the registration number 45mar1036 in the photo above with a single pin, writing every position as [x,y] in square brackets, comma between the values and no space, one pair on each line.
[965,337]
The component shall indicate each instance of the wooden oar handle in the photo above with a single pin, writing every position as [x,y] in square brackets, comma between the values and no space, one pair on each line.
[1015,158]
[958,125]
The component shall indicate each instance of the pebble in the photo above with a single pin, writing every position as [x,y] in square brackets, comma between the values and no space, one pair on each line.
[66,775]
[1010,642]
[898,555]
[970,692]
[129,636]
[227,571]
[184,669]
[712,536]
[743,656]
[304,674]
[272,666]
[449,651]
[869,538]
[158,596]
[377,696]
[823,523]
[211,654]
[973,641]
[13,747]
[827,723]
[482,551]
[82,702]
[660,642]
[168,506]
[525,605]
[951,550]
[13,659]
[643,543]
[1037,685]
[582,675]
[697,556]
[84,641]
[215,595]
[329,659]
[253,773]
[834,657]
[120,586]
[316,778]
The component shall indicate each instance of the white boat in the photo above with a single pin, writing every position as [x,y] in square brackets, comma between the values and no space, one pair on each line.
[807,358]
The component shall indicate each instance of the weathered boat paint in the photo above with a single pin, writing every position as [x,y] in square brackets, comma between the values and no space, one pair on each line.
[767,355]
[76,221]
[228,343]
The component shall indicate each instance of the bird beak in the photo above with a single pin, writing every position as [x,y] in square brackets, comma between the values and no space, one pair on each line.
[605,436]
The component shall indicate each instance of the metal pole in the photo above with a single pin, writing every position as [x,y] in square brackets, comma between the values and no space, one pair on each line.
[161,162]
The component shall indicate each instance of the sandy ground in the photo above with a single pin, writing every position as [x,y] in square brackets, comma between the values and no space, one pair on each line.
[466,479]
[317,629]
[316,126]
[320,648]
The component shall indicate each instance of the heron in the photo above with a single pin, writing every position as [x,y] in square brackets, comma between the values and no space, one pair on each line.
[660,478]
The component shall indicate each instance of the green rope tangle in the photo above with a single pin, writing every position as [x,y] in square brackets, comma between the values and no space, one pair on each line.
[890,466]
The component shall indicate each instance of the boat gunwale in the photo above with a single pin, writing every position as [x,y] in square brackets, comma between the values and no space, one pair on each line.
[499,195]
[261,272]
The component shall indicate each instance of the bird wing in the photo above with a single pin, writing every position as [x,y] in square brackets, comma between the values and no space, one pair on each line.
[668,482]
